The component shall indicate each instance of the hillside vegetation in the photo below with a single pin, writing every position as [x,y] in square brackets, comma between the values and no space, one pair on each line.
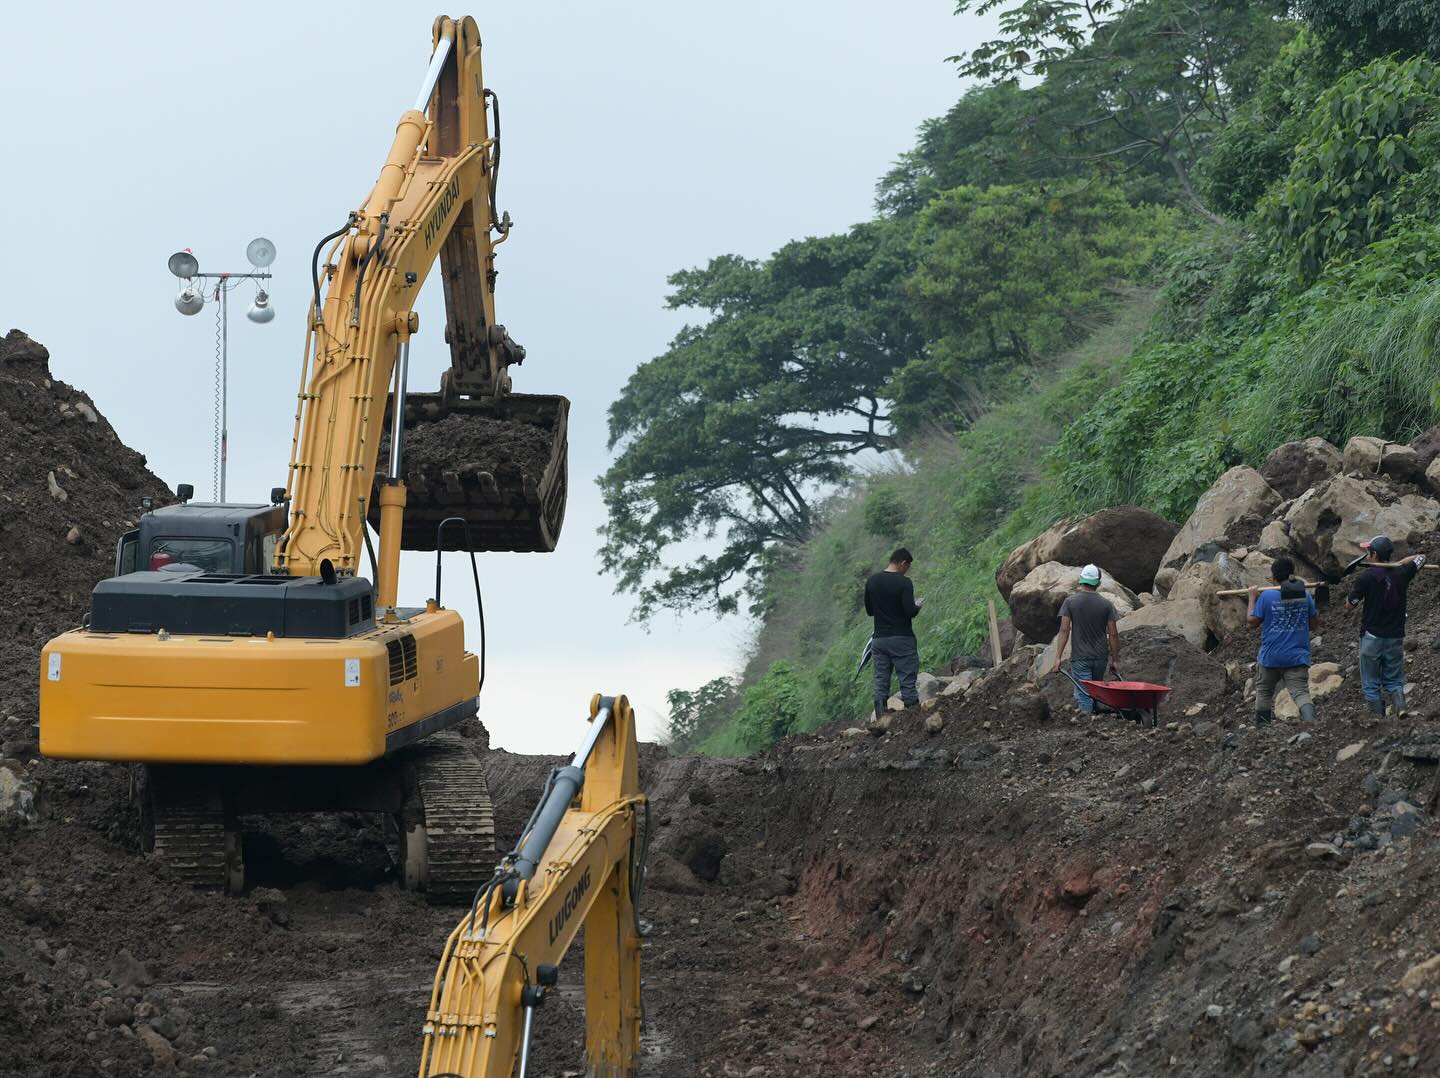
[1157,239]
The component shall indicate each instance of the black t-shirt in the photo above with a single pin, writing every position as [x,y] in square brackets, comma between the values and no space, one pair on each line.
[1384,592]
[890,600]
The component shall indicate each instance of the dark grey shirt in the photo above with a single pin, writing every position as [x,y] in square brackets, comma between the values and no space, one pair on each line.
[1090,615]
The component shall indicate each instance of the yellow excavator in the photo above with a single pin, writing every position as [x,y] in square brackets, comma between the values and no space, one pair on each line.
[238,653]
[580,862]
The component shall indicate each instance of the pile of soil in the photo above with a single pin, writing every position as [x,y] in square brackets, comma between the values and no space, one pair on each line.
[467,444]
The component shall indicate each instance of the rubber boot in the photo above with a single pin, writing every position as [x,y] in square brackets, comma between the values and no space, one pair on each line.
[1307,712]
[1397,702]
[1378,707]
[1264,718]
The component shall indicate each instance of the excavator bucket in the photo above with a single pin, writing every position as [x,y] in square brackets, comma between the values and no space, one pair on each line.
[499,465]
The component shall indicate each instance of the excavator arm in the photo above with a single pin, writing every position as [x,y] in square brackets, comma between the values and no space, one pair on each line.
[435,198]
[578,864]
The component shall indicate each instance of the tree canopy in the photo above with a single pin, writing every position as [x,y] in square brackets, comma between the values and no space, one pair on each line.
[729,436]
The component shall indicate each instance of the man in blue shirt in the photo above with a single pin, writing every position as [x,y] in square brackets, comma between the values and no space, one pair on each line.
[1286,617]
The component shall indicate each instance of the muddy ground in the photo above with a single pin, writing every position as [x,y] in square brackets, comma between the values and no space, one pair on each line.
[1023,892]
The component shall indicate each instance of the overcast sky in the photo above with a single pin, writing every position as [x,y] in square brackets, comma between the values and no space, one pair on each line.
[639,138]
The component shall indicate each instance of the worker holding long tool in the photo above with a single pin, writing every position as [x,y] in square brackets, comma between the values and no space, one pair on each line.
[1383,588]
[1092,618]
[890,600]
[1285,617]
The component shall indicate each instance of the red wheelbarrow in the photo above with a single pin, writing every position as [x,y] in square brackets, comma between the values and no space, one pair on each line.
[1138,701]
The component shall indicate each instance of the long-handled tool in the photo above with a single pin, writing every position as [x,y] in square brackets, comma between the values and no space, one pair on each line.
[866,654]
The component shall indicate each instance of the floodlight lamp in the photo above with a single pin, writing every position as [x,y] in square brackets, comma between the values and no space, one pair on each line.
[260,310]
[184,265]
[260,252]
[189,300]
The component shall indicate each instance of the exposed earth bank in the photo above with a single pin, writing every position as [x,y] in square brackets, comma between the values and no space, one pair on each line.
[990,884]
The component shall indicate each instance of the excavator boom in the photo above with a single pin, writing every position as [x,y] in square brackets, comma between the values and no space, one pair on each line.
[578,864]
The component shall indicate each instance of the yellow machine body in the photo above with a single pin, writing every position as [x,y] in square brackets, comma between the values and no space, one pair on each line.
[158,698]
[587,878]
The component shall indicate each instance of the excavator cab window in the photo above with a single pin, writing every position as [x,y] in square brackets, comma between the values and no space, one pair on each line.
[211,555]
[127,553]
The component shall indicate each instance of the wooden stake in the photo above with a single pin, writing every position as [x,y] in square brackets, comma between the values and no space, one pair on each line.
[995,657]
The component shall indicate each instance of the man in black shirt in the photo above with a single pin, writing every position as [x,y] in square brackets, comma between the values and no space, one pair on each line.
[890,600]
[1383,589]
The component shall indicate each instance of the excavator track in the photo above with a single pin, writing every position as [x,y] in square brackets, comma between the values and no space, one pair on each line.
[186,827]
[449,845]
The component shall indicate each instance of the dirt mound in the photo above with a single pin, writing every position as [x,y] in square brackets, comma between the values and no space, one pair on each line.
[70,489]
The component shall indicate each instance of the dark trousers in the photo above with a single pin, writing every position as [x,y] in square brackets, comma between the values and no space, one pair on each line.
[901,655]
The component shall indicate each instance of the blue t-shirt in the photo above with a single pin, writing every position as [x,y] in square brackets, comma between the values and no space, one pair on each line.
[1285,629]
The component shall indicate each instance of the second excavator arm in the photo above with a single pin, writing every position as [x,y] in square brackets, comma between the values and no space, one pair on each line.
[578,864]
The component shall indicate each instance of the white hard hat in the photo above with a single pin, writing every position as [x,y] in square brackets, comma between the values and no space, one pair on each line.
[1090,574]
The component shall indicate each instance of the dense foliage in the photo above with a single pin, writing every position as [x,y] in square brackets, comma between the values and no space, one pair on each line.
[1192,230]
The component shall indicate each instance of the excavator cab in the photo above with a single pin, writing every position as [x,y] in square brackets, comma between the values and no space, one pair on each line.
[223,539]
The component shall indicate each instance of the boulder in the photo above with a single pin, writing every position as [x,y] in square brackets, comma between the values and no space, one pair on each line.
[1427,445]
[928,686]
[1224,616]
[1035,601]
[1127,542]
[664,873]
[1183,617]
[17,795]
[1328,524]
[1239,496]
[961,682]
[1295,467]
[1375,456]
[1164,581]
[1274,539]
[1432,475]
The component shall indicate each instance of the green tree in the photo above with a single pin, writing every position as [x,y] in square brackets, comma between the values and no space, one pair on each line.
[1364,139]
[771,706]
[1374,28]
[697,712]
[1134,82]
[1008,275]
[734,433]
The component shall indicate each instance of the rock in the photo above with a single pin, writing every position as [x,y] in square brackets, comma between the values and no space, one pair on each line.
[1035,601]
[17,795]
[1427,445]
[868,1022]
[1287,964]
[1028,705]
[1295,467]
[928,686]
[1241,494]
[272,904]
[1406,822]
[165,1026]
[1321,851]
[1164,579]
[1425,748]
[1327,524]
[880,724]
[1078,888]
[962,663]
[56,490]
[1125,541]
[1432,475]
[129,971]
[73,536]
[161,1050]
[1224,616]
[1349,751]
[117,1013]
[1375,456]
[1214,1011]
[934,723]
[86,411]
[1420,975]
[1274,538]
[1325,680]
[664,873]
[852,733]
[1185,617]
[961,682]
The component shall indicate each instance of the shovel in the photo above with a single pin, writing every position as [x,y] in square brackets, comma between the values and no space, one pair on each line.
[866,654]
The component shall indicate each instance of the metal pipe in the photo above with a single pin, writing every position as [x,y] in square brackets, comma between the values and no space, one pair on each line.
[224,384]
[525,1042]
[432,73]
[397,408]
[564,786]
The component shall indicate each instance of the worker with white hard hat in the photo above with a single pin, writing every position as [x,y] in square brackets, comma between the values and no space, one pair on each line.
[1091,618]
